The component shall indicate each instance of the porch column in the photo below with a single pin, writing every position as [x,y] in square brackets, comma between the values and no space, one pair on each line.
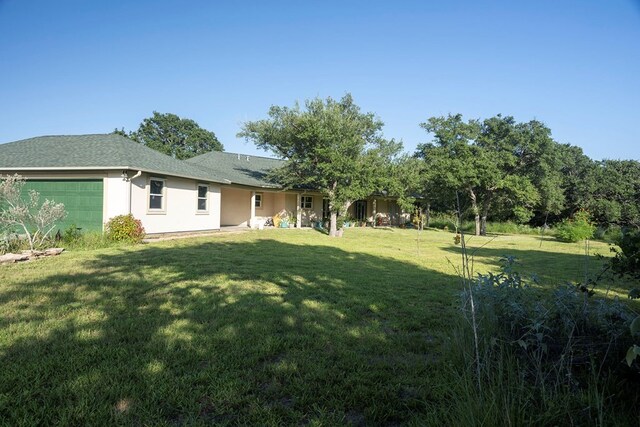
[253,210]
[375,205]
[298,211]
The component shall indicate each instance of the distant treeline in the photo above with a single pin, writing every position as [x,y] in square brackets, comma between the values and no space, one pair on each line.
[503,170]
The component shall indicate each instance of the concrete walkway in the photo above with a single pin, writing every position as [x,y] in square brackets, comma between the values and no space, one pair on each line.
[223,229]
[187,234]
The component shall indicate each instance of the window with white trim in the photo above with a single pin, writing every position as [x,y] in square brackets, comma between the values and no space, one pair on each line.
[258,202]
[306,202]
[156,194]
[203,198]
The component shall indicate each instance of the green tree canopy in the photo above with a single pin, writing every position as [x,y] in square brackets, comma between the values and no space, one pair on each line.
[329,146]
[506,169]
[614,196]
[174,136]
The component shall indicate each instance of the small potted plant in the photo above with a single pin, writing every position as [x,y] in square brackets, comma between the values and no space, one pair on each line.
[283,219]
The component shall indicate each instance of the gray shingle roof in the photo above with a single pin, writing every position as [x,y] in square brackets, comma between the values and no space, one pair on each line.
[100,151]
[239,168]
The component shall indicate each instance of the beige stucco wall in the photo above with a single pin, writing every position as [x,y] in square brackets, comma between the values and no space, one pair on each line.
[235,206]
[180,211]
[116,197]
[290,202]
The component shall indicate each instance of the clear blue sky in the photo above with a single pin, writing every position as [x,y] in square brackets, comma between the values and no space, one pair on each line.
[73,67]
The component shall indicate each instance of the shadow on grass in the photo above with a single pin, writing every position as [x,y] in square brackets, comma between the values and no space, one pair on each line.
[259,332]
[321,230]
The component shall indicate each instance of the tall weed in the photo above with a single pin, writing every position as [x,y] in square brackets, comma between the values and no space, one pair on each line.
[543,359]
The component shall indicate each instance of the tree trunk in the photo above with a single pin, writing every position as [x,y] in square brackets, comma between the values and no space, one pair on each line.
[476,210]
[333,230]
[427,213]
[485,212]
[375,205]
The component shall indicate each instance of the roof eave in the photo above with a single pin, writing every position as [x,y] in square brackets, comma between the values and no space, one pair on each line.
[99,168]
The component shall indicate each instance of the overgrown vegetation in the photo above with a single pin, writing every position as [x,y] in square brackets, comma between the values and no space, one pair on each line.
[124,228]
[25,214]
[448,222]
[577,228]
[74,238]
[10,242]
[534,357]
[626,261]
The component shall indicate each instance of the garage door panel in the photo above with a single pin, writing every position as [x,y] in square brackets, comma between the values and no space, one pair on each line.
[83,200]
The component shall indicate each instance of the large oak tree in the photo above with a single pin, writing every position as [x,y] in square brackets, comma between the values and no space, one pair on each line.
[329,146]
[505,168]
[175,136]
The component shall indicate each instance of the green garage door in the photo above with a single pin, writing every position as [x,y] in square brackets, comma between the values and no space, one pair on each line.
[82,200]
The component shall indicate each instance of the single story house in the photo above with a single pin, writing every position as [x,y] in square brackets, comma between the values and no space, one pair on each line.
[100,176]
[251,198]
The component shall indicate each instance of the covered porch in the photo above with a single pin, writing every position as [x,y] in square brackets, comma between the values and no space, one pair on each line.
[248,207]
[377,211]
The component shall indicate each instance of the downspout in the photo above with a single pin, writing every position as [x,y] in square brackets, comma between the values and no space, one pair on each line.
[130,184]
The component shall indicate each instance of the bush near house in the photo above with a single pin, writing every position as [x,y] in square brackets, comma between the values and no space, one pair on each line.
[124,228]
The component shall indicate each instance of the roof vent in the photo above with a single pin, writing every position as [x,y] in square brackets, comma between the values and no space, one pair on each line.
[238,156]
[247,158]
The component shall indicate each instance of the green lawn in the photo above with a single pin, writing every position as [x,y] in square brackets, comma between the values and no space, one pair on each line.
[266,327]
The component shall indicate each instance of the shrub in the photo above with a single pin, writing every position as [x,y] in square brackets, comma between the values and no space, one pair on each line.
[509,227]
[540,358]
[89,240]
[611,233]
[443,221]
[71,234]
[124,228]
[559,339]
[627,259]
[577,228]
[26,213]
[10,242]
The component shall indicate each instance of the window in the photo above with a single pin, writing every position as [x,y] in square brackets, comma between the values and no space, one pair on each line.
[326,213]
[306,202]
[258,203]
[203,193]
[156,194]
